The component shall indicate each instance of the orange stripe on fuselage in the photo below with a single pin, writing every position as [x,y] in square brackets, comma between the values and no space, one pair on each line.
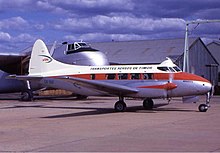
[167,86]
[155,76]
[179,76]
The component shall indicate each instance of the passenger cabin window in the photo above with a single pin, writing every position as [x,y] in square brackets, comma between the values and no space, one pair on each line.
[110,76]
[92,76]
[148,76]
[163,69]
[122,76]
[135,76]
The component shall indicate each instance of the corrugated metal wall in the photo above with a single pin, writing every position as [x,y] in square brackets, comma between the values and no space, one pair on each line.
[202,62]
[155,51]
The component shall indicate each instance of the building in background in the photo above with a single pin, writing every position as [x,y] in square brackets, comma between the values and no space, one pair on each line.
[201,61]
[214,48]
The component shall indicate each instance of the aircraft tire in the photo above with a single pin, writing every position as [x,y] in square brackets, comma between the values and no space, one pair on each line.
[148,104]
[26,96]
[120,106]
[203,108]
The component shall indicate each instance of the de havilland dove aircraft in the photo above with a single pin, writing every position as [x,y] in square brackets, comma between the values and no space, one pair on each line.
[77,53]
[148,82]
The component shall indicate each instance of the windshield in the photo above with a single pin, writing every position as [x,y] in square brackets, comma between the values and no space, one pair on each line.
[169,69]
[177,69]
[163,68]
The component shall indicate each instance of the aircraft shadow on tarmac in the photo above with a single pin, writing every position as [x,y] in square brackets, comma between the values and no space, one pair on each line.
[99,111]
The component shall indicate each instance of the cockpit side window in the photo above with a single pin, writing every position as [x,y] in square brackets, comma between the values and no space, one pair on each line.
[171,69]
[163,68]
[177,69]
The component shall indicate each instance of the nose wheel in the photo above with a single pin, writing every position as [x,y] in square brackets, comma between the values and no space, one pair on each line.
[205,107]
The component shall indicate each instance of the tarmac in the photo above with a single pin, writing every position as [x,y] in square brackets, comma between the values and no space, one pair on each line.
[92,125]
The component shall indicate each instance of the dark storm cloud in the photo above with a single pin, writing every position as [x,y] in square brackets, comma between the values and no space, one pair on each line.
[187,9]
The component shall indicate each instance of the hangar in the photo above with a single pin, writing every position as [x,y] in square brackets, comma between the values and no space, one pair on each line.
[214,48]
[201,61]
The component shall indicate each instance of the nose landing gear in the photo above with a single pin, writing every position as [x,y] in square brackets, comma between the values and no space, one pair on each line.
[204,107]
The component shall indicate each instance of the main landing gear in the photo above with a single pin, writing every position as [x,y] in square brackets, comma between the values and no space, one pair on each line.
[120,106]
[204,107]
[27,95]
[148,104]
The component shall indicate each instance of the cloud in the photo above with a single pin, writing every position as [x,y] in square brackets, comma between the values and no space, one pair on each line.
[48,6]
[4,37]
[24,38]
[18,4]
[187,9]
[12,43]
[22,21]
[119,25]
[93,7]
[13,23]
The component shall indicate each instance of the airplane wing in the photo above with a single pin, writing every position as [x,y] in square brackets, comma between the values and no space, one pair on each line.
[110,88]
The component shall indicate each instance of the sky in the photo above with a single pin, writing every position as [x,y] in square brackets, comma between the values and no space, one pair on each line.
[24,21]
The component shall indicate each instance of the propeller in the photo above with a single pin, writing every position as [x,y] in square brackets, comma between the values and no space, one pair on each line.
[169,86]
[171,76]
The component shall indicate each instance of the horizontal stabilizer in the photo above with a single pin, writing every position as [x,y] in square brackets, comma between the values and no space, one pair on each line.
[101,86]
[24,77]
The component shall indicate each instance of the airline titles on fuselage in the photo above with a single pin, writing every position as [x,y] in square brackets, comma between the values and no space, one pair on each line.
[121,68]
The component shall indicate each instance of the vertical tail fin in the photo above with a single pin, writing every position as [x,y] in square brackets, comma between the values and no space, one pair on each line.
[39,57]
[41,62]
[39,50]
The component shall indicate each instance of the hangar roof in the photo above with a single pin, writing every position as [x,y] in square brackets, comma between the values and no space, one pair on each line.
[142,51]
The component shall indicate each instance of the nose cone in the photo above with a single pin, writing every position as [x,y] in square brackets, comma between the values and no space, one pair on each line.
[203,87]
[198,85]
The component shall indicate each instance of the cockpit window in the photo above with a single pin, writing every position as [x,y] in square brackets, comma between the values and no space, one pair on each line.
[83,44]
[171,69]
[177,69]
[79,47]
[163,69]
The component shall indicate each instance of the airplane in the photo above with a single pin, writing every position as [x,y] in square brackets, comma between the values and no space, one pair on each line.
[77,53]
[147,82]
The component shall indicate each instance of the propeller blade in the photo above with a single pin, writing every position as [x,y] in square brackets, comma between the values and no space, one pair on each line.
[171,75]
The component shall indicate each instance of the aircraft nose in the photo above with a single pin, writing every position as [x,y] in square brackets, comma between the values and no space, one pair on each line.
[206,86]
[202,85]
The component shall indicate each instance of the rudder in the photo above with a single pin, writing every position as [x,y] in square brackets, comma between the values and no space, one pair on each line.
[39,58]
